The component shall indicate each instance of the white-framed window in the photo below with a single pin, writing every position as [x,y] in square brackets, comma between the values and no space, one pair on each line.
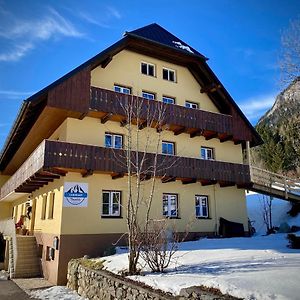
[207,153]
[111,203]
[147,69]
[170,205]
[122,89]
[169,74]
[113,141]
[168,148]
[147,95]
[201,206]
[168,100]
[190,104]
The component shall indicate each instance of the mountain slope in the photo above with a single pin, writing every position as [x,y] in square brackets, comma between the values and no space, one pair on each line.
[280,130]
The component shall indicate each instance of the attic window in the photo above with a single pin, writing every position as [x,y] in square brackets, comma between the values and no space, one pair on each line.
[169,75]
[147,69]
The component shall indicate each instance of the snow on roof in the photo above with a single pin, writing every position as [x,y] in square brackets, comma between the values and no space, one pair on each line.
[183,47]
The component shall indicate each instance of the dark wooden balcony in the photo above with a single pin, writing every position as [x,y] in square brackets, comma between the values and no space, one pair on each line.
[53,159]
[177,118]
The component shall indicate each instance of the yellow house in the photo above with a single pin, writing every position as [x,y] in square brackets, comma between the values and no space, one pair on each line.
[60,164]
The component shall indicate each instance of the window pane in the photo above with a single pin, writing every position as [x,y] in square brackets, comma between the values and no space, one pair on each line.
[105,197]
[108,141]
[171,76]
[118,142]
[170,148]
[151,70]
[105,209]
[204,211]
[203,153]
[116,198]
[126,91]
[164,148]
[165,74]
[117,89]
[115,210]
[144,68]
[209,154]
[165,205]
[198,212]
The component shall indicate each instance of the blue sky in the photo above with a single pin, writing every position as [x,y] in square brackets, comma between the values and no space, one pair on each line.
[42,40]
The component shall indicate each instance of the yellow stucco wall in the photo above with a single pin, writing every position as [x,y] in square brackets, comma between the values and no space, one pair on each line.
[226,202]
[5,210]
[90,131]
[125,70]
[49,225]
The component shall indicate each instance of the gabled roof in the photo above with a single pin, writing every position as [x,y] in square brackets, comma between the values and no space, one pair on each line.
[156,33]
[150,40]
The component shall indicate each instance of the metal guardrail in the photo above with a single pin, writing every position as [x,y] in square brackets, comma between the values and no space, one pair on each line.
[275,181]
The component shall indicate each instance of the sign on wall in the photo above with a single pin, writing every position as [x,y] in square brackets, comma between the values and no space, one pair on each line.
[75,194]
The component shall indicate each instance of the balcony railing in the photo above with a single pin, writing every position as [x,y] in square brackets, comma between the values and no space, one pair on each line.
[111,102]
[55,155]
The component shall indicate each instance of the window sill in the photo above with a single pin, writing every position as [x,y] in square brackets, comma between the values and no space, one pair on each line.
[167,217]
[111,217]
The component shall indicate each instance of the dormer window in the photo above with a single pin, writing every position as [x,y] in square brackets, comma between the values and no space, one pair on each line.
[169,75]
[147,69]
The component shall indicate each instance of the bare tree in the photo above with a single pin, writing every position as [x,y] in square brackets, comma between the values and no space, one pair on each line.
[142,163]
[289,60]
[266,206]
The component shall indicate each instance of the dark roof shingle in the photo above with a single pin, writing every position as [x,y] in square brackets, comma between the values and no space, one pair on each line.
[158,34]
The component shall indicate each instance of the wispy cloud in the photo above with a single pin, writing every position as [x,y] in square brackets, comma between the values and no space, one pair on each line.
[88,18]
[108,15]
[255,107]
[5,94]
[113,12]
[24,34]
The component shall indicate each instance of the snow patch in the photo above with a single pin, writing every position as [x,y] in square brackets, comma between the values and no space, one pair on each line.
[183,47]
[56,292]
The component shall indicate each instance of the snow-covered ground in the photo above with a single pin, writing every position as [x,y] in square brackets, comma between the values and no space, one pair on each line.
[261,267]
[56,293]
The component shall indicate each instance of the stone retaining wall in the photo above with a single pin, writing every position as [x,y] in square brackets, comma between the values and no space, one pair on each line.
[104,285]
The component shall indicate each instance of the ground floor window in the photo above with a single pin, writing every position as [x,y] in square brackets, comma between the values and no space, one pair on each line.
[111,203]
[170,205]
[201,205]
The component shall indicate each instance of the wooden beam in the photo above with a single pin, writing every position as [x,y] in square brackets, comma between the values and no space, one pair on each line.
[123,122]
[142,125]
[106,61]
[87,173]
[226,138]
[189,180]
[207,182]
[226,184]
[144,177]
[196,133]
[211,136]
[117,175]
[167,179]
[210,88]
[82,116]
[46,177]
[106,118]
[179,131]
